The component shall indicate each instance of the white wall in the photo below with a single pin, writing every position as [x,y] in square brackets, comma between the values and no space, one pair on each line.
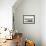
[6,13]
[43,22]
[31,31]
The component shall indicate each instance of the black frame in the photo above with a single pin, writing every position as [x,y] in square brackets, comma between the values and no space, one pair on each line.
[30,16]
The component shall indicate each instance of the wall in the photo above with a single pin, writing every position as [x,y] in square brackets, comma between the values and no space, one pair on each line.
[6,13]
[43,22]
[30,31]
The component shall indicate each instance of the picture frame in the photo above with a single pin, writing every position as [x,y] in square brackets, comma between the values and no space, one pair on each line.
[28,19]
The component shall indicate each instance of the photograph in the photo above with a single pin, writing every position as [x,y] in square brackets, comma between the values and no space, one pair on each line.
[29,19]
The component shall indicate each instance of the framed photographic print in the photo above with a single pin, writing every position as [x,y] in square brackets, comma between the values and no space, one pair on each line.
[29,19]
